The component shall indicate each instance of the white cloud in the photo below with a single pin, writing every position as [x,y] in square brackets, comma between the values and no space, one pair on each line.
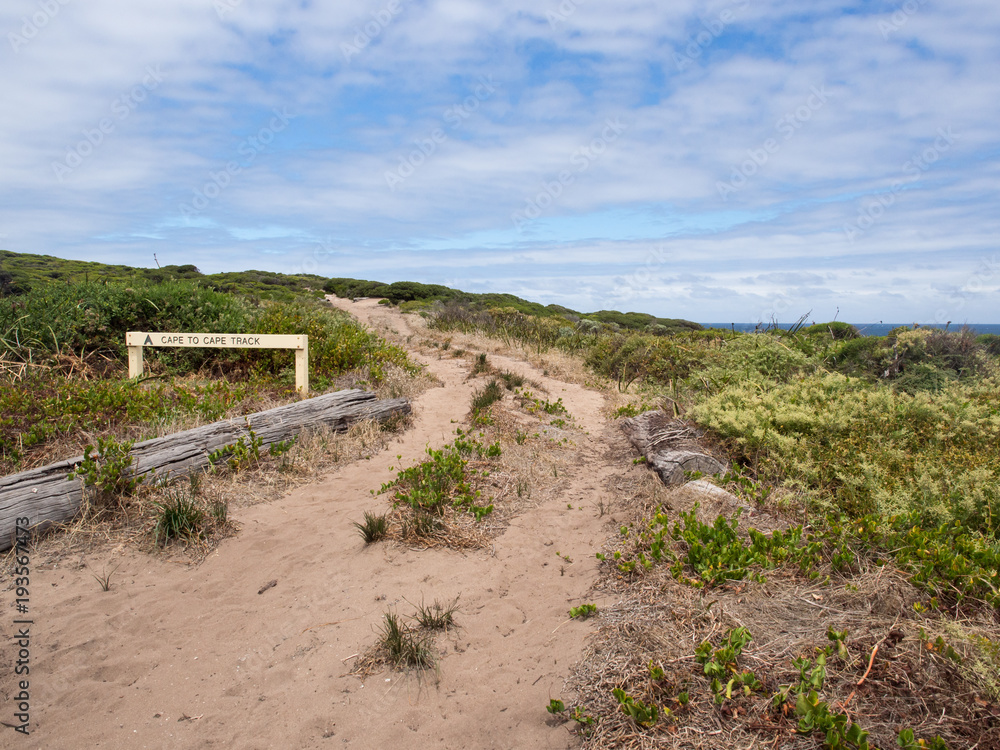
[749,90]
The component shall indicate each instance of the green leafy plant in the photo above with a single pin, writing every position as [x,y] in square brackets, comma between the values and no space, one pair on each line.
[908,741]
[839,732]
[643,714]
[242,454]
[555,706]
[282,446]
[838,638]
[109,470]
[720,665]
[442,480]
[583,612]
[940,646]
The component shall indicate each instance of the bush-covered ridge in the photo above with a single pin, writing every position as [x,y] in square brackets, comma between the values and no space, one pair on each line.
[413,292]
[22,272]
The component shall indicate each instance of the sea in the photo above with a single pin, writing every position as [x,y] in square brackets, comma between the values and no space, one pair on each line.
[866,329]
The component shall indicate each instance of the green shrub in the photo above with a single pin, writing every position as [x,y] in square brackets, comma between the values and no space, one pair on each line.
[834,329]
[760,359]
[863,449]
[109,471]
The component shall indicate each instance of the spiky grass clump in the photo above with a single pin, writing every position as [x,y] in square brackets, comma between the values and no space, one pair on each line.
[481,364]
[374,527]
[403,647]
[512,380]
[486,396]
[436,616]
[180,517]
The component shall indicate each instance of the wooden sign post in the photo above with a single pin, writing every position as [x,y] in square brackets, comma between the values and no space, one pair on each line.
[136,340]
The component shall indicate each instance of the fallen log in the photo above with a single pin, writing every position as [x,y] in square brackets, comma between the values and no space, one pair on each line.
[45,496]
[670,446]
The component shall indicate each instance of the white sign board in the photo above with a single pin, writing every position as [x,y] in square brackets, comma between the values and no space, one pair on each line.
[224,340]
[136,340]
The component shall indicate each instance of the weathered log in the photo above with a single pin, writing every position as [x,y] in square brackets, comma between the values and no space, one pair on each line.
[45,495]
[670,447]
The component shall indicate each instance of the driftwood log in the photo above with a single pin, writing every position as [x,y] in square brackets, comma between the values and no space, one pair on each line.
[670,446]
[46,496]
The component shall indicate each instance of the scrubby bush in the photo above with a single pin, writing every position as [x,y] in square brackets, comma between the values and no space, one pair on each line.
[834,329]
[755,358]
[870,449]
[990,343]
[93,317]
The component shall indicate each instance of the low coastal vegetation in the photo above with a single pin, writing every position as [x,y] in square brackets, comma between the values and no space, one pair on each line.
[65,390]
[876,461]
[863,613]
[63,359]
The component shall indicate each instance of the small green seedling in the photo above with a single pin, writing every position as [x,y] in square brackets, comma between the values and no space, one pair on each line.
[643,714]
[583,611]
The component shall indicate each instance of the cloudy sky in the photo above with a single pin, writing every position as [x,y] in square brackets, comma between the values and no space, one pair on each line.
[739,160]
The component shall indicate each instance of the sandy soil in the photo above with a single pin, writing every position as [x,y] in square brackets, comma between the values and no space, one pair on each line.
[178,655]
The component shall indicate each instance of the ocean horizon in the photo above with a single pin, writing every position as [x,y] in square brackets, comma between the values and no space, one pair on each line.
[866,329]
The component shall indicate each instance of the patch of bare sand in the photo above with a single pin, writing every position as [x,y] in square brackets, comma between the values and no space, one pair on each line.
[189,656]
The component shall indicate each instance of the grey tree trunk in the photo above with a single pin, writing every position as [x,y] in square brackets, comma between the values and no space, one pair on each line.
[44,496]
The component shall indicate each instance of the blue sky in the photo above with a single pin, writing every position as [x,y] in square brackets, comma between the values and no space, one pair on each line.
[739,160]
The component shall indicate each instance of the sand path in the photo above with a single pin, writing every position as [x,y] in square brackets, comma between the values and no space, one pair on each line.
[192,656]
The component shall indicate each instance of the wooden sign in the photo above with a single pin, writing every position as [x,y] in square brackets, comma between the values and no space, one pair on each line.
[136,340]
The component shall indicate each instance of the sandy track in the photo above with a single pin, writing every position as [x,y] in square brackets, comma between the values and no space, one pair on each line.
[124,669]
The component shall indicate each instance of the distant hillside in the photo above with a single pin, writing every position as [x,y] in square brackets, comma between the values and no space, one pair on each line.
[19,272]
[401,292]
